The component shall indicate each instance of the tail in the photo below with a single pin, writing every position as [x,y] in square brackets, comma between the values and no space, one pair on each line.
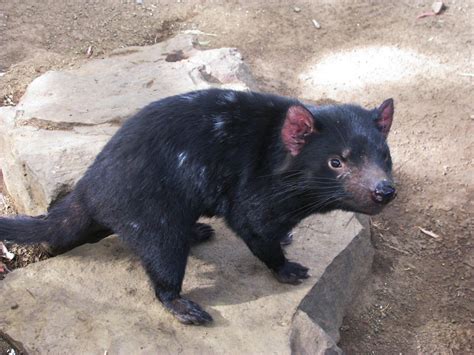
[67,225]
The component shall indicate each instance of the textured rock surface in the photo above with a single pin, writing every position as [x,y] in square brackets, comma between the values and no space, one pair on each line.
[65,117]
[97,297]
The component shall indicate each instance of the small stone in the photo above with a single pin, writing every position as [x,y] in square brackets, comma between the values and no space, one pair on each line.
[316,24]
[4,253]
[296,9]
[437,7]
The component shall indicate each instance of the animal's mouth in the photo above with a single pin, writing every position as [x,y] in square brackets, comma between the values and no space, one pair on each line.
[369,204]
[370,210]
[370,193]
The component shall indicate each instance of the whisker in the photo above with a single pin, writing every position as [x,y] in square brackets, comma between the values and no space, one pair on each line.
[318,204]
[310,207]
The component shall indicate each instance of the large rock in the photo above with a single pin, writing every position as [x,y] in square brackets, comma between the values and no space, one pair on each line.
[65,117]
[97,298]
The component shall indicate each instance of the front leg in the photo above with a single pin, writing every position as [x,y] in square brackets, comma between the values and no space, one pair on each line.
[269,251]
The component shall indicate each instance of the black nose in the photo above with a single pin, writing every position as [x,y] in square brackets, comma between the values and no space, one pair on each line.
[384,192]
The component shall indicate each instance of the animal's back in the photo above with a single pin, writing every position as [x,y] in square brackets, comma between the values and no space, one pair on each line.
[191,150]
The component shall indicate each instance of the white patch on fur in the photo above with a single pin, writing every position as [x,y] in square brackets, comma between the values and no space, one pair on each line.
[190,96]
[202,171]
[202,176]
[218,123]
[135,226]
[230,96]
[181,158]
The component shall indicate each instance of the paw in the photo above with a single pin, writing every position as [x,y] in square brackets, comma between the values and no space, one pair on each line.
[287,239]
[292,273]
[201,233]
[187,311]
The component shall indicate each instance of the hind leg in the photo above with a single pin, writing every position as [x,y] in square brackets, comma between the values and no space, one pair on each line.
[164,255]
[95,233]
[201,233]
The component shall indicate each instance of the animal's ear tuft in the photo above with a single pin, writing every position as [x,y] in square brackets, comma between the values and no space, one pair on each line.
[299,123]
[385,117]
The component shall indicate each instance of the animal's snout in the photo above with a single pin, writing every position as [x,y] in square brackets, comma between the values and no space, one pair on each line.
[384,192]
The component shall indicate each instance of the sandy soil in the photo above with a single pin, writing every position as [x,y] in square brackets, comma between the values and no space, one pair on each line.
[419,297]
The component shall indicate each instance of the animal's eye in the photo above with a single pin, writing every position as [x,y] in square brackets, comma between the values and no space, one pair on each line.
[335,163]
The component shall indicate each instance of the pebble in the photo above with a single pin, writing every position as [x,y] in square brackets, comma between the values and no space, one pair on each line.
[316,24]
[437,7]
[296,9]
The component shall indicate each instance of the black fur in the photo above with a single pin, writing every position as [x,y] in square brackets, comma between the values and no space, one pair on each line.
[248,157]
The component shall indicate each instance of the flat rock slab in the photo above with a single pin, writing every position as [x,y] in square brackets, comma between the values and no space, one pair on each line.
[97,298]
[65,117]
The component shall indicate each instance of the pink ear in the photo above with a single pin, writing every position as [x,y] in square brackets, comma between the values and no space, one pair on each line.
[298,124]
[385,118]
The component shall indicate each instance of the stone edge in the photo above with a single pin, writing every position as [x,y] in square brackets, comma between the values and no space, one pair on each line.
[316,323]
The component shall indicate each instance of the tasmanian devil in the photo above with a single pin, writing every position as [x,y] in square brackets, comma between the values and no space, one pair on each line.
[262,162]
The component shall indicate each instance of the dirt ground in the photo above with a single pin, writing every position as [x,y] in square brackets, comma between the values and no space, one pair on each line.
[419,297]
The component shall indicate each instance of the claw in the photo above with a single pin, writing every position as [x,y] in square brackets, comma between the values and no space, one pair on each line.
[187,311]
[202,232]
[292,273]
[287,239]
